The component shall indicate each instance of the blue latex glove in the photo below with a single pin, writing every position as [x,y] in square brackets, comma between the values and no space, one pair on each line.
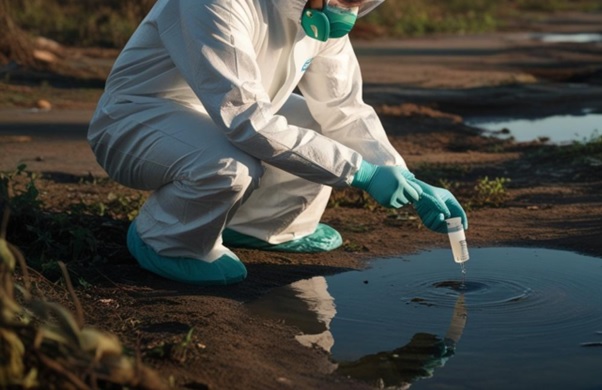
[387,184]
[436,205]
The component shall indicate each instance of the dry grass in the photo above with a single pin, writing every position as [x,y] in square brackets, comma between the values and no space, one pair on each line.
[44,345]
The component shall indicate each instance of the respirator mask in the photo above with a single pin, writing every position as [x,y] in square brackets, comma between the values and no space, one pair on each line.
[332,21]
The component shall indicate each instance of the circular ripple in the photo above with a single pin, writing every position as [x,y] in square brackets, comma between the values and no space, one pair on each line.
[532,292]
[478,293]
[514,310]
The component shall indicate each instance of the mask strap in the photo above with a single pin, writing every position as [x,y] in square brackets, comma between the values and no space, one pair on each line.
[315,23]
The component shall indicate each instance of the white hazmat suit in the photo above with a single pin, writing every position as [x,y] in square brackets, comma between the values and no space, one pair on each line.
[200,108]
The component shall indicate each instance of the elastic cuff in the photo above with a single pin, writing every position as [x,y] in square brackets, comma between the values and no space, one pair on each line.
[362,177]
[323,239]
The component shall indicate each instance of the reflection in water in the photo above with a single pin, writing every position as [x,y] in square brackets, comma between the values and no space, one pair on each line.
[416,360]
[534,317]
[314,292]
[308,305]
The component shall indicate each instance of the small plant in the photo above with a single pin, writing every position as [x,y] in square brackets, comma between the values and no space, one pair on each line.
[22,195]
[86,232]
[116,206]
[177,351]
[577,152]
[490,192]
[47,236]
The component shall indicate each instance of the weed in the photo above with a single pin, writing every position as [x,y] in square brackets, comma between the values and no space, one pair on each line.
[557,5]
[578,152]
[489,192]
[451,186]
[418,17]
[176,351]
[116,206]
[22,195]
[74,233]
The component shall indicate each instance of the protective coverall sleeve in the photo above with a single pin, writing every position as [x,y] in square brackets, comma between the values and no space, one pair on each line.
[211,44]
[332,87]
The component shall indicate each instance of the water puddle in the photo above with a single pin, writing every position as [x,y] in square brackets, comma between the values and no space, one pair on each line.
[531,318]
[557,129]
[569,38]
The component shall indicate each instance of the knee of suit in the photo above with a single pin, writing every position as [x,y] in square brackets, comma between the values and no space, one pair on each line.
[227,175]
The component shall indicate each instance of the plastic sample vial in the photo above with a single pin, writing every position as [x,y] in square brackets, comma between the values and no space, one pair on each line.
[457,239]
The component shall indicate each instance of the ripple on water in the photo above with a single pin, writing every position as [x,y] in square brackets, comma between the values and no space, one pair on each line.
[515,310]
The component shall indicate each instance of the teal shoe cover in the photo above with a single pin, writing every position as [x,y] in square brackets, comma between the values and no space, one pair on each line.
[224,270]
[324,239]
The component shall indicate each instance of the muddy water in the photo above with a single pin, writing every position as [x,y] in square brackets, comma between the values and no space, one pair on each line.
[520,318]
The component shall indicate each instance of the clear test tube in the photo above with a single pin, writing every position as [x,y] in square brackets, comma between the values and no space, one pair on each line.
[457,239]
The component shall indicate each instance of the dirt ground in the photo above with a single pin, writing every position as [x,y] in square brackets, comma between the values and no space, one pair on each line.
[422,88]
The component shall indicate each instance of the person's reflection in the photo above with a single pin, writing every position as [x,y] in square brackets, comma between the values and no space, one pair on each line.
[305,304]
[314,292]
[416,360]
[308,305]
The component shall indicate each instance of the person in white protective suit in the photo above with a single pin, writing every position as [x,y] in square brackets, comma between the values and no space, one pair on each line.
[199,108]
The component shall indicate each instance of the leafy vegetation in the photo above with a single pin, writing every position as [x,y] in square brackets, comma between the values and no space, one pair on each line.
[421,17]
[489,192]
[109,23]
[588,152]
[81,230]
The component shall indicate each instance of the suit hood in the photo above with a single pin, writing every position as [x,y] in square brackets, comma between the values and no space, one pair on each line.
[294,8]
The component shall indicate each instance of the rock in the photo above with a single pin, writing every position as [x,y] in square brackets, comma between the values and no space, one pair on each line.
[44,56]
[48,45]
[43,104]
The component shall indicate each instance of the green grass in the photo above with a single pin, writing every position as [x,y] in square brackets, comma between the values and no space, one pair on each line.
[587,152]
[557,5]
[109,23]
[423,17]
[105,23]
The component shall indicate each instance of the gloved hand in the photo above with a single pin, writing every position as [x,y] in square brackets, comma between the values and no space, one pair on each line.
[426,352]
[387,184]
[436,205]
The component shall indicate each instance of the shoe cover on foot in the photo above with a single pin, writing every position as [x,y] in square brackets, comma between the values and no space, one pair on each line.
[227,269]
[324,239]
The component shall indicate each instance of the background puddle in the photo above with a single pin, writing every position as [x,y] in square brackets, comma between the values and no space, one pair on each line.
[569,38]
[521,318]
[557,129]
